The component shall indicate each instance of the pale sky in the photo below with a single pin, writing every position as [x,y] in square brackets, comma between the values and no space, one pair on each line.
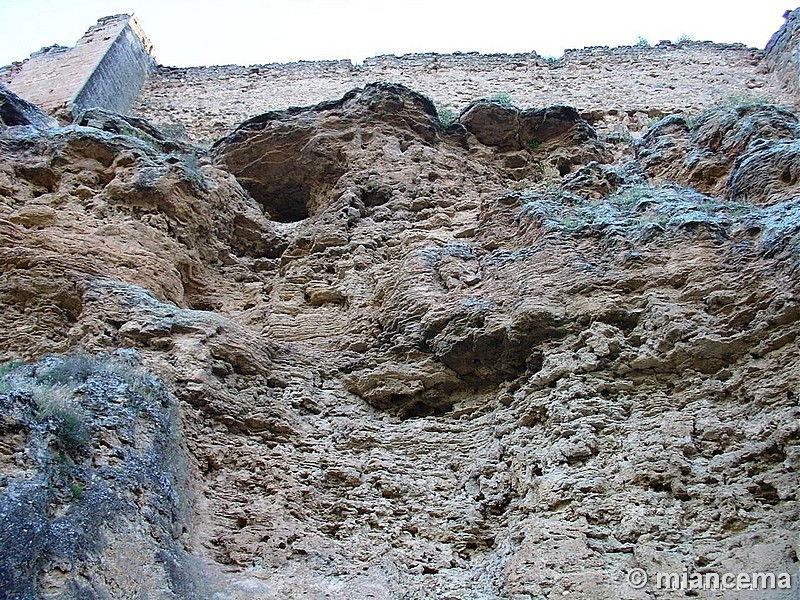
[245,32]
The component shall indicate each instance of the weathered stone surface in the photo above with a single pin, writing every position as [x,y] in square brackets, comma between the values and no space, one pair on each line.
[15,111]
[97,486]
[596,181]
[493,123]
[767,173]
[509,128]
[558,123]
[463,372]
[730,151]
[290,170]
[111,122]
[617,89]
[781,51]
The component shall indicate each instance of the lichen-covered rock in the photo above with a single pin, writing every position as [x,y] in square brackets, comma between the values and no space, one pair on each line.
[94,499]
[595,181]
[725,152]
[767,173]
[106,120]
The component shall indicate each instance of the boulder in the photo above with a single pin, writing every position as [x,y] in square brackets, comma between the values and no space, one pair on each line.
[493,123]
[539,125]
[508,128]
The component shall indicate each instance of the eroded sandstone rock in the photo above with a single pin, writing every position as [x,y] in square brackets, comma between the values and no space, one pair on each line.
[98,471]
[410,364]
[560,129]
[291,169]
[739,152]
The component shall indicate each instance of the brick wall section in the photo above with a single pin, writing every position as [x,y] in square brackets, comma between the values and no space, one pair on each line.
[116,80]
[783,51]
[106,68]
[619,88]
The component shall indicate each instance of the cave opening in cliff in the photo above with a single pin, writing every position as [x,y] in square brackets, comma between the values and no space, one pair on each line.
[287,203]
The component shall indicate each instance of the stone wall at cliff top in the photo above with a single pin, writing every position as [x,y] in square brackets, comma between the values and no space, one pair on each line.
[616,88]
[106,68]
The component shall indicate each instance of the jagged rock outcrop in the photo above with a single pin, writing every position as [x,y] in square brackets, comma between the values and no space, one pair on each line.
[290,169]
[733,151]
[559,132]
[411,363]
[149,218]
[509,128]
[16,112]
[781,51]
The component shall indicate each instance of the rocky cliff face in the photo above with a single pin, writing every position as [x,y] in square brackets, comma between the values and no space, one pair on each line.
[506,358]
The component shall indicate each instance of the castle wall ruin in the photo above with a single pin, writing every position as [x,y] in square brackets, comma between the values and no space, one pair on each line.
[617,89]
[106,68]
[614,87]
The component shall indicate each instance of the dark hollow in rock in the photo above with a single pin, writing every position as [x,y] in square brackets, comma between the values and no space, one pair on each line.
[15,111]
[284,203]
[290,160]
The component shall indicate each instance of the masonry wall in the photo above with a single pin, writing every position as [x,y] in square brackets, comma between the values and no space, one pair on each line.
[116,80]
[105,68]
[617,88]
